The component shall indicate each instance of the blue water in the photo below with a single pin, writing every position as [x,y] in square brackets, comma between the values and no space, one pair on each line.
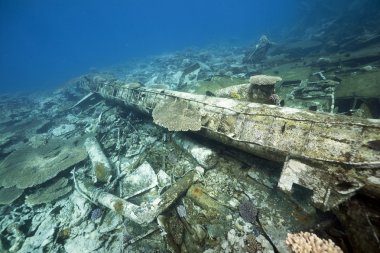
[46,42]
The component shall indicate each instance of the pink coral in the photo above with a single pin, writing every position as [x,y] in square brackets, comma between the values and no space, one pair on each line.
[305,242]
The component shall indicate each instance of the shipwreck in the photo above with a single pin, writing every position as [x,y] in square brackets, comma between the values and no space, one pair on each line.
[332,155]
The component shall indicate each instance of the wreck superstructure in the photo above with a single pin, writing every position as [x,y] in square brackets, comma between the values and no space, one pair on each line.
[330,154]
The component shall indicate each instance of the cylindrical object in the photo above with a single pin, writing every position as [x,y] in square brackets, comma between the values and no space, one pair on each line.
[102,170]
[262,88]
[205,156]
[144,214]
[119,205]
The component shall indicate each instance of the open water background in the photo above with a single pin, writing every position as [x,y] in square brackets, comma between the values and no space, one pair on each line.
[45,43]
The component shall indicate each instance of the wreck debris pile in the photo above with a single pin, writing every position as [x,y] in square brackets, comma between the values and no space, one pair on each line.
[168,164]
[135,187]
[244,126]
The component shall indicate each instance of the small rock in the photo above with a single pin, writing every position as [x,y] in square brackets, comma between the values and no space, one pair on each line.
[163,178]
[141,180]
[368,68]
[63,129]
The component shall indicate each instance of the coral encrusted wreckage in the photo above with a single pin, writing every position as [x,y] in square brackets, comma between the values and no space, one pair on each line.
[191,152]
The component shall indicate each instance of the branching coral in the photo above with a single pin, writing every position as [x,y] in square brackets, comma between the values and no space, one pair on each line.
[305,242]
